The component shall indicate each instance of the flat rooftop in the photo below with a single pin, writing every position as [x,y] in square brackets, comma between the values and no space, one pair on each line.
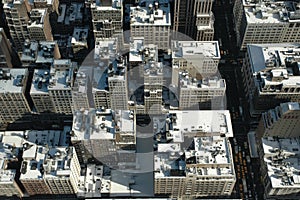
[93,124]
[203,84]
[107,4]
[210,156]
[195,49]
[271,11]
[105,49]
[217,122]
[281,159]
[102,124]
[80,36]
[12,80]
[37,18]
[152,14]
[277,65]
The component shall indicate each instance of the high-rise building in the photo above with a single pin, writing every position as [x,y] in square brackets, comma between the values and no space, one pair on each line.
[17,18]
[266,22]
[153,22]
[50,5]
[6,54]
[60,85]
[51,89]
[271,75]
[104,135]
[39,54]
[280,167]
[9,153]
[12,94]
[107,18]
[198,162]
[39,91]
[194,19]
[282,121]
[39,25]
[49,170]
[117,84]
[204,94]
[200,59]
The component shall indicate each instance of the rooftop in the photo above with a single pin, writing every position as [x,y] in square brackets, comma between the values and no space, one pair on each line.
[151,13]
[281,158]
[80,36]
[59,77]
[70,14]
[275,65]
[211,122]
[48,137]
[209,156]
[271,11]
[191,50]
[38,52]
[107,4]
[102,124]
[93,124]
[273,115]
[105,49]
[37,18]
[206,83]
[12,80]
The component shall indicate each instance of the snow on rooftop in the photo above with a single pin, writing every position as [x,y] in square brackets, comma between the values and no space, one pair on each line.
[12,80]
[37,18]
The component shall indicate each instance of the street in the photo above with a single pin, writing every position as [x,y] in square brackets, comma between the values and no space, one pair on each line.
[248,184]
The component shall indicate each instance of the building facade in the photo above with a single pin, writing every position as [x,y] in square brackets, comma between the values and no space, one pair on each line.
[13,101]
[194,19]
[153,22]
[266,22]
[271,75]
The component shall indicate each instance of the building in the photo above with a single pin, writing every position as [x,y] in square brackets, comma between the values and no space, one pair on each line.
[39,25]
[200,59]
[266,22]
[17,18]
[70,15]
[60,85]
[50,5]
[39,91]
[194,156]
[39,54]
[79,41]
[207,93]
[49,170]
[194,19]
[51,89]
[104,135]
[107,18]
[93,182]
[282,121]
[7,56]
[9,153]
[117,84]
[271,75]
[153,22]
[12,94]
[279,167]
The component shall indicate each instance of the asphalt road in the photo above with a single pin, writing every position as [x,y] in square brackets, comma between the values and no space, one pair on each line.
[248,184]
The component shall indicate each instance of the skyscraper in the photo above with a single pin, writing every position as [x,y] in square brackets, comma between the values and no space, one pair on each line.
[194,18]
